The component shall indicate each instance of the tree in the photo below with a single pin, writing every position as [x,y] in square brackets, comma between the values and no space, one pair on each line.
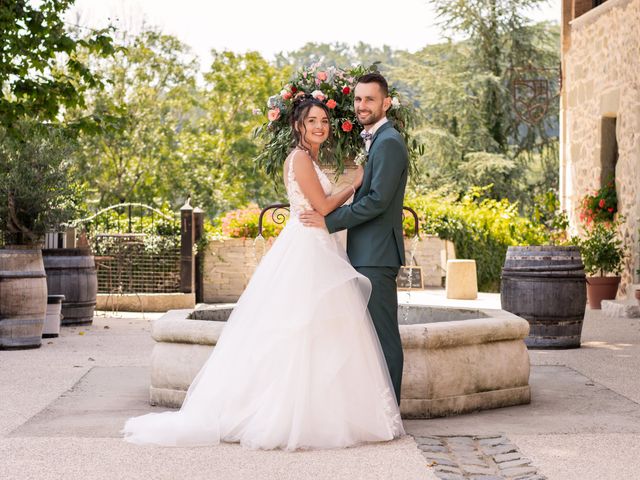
[35,180]
[340,55]
[150,100]
[472,131]
[166,135]
[42,74]
[34,43]
[224,174]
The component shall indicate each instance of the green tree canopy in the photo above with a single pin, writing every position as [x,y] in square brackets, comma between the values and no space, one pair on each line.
[41,72]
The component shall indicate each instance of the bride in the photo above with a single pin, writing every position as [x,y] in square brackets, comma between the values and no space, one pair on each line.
[299,364]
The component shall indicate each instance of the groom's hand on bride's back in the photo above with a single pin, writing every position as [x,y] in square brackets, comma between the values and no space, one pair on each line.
[311,218]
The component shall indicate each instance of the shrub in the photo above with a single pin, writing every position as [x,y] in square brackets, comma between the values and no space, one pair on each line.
[481,229]
[243,223]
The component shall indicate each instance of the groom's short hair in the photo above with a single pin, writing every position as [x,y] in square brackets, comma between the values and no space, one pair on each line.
[375,77]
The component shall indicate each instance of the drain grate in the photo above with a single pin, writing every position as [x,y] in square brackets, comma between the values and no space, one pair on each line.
[476,457]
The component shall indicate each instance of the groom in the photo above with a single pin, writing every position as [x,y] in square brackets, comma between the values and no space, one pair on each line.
[374,220]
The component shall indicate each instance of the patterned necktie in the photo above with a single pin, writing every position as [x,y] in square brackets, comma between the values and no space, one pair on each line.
[366,136]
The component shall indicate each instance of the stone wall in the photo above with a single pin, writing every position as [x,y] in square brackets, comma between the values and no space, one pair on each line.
[229,264]
[601,81]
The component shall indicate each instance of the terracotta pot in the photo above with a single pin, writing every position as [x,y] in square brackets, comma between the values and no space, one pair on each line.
[601,288]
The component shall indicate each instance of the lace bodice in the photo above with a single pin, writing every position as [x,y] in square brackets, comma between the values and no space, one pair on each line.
[298,202]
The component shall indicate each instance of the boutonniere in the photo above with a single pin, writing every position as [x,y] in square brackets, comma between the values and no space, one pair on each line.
[362,157]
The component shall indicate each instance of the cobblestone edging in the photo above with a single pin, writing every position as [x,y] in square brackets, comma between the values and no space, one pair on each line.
[479,457]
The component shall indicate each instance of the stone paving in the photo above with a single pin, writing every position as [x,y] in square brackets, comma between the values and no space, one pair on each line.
[480,457]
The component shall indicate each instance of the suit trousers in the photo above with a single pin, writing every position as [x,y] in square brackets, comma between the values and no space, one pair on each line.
[383,308]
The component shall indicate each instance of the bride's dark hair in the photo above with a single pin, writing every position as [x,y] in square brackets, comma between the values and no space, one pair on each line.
[301,106]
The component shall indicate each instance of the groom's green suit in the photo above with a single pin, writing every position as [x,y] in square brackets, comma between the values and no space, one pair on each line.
[374,241]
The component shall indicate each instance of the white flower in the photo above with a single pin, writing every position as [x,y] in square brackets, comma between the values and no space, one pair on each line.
[361,158]
[273,101]
[318,95]
[395,103]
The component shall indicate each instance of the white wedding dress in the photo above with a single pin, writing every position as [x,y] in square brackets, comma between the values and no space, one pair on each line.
[298,364]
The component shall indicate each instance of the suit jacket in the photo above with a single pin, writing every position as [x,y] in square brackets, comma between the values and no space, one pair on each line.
[374,219]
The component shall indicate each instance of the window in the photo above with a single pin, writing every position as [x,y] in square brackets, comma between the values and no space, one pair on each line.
[608,150]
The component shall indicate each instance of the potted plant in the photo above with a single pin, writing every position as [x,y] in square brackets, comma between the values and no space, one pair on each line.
[603,254]
[37,194]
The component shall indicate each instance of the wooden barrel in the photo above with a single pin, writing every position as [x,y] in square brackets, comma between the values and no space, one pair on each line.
[23,298]
[546,285]
[72,272]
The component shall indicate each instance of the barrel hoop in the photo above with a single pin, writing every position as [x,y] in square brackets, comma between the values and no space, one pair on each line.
[569,267]
[11,321]
[544,257]
[542,275]
[78,304]
[23,274]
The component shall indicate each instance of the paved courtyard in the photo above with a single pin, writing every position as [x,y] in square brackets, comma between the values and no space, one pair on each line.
[61,408]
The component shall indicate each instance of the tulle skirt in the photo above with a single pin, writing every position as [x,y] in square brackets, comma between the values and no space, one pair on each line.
[298,364]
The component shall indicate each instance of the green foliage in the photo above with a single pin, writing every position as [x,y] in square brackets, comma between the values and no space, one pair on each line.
[338,55]
[167,137]
[135,156]
[547,212]
[223,174]
[157,233]
[480,228]
[35,181]
[602,250]
[472,133]
[41,72]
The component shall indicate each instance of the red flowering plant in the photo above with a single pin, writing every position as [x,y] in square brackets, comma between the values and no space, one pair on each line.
[333,86]
[602,206]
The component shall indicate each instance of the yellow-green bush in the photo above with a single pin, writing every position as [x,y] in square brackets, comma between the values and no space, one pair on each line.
[481,229]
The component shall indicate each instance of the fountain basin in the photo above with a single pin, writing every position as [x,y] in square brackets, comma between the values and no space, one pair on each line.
[456,360]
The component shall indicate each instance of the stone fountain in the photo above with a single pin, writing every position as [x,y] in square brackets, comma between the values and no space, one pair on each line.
[457,360]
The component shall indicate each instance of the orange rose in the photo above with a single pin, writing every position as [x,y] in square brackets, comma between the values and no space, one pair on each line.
[347,126]
[322,76]
[331,103]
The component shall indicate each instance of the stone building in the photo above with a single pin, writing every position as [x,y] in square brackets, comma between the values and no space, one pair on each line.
[600,111]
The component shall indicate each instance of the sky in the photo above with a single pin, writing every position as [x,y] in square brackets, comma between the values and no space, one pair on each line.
[272,26]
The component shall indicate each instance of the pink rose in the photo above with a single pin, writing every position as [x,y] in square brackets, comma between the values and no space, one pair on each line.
[273,114]
[331,103]
[286,95]
[322,76]
[318,95]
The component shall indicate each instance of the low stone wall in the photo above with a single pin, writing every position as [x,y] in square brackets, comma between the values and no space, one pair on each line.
[144,302]
[230,263]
